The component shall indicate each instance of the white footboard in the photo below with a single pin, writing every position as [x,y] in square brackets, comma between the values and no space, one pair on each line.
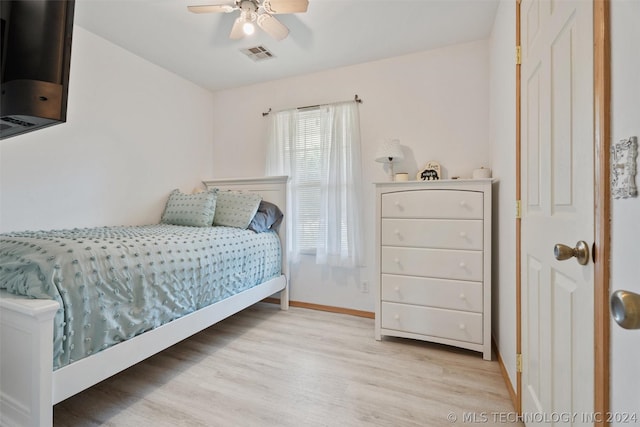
[26,360]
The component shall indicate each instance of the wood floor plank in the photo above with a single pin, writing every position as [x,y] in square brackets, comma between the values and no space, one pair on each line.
[301,367]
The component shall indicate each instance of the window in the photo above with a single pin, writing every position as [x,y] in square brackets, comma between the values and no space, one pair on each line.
[305,149]
[319,149]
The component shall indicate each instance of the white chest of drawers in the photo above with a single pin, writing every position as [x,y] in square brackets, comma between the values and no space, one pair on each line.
[433,262]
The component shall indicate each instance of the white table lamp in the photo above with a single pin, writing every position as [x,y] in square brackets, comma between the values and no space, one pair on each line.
[390,152]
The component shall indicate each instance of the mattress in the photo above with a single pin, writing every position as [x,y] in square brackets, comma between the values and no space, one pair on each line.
[114,283]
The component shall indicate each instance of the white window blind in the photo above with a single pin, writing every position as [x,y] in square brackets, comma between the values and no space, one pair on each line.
[306,158]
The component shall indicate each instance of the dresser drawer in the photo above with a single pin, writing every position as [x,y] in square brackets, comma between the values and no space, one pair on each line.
[450,324]
[451,204]
[450,264]
[432,233]
[440,293]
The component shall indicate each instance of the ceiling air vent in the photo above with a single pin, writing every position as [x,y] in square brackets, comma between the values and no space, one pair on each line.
[258,53]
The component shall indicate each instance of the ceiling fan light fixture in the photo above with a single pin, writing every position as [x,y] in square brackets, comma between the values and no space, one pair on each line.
[256,12]
[248,28]
[248,17]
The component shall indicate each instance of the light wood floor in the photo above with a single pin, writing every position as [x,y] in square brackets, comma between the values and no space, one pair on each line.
[266,367]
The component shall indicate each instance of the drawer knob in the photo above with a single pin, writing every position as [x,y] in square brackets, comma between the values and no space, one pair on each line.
[396,232]
[463,234]
[396,316]
[397,203]
[397,260]
[463,203]
[462,295]
[462,264]
[462,326]
[397,289]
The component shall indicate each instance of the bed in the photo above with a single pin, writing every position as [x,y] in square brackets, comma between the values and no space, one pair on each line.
[44,361]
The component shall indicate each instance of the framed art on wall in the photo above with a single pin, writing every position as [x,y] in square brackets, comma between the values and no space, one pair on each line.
[623,168]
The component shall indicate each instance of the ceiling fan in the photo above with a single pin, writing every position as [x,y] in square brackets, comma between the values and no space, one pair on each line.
[258,12]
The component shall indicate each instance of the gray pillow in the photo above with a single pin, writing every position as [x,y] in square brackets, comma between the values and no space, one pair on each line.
[236,208]
[268,217]
[196,210]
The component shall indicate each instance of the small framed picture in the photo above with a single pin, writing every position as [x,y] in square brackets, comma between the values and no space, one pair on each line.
[624,168]
[431,172]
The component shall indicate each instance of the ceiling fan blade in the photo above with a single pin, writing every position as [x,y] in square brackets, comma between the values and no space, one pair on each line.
[272,26]
[286,6]
[236,30]
[212,8]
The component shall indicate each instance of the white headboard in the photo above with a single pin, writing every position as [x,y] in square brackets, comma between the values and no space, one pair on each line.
[272,189]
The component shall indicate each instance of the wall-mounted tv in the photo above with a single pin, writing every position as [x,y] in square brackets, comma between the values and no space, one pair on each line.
[35,61]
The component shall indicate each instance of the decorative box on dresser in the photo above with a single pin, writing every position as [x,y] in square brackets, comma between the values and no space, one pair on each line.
[433,262]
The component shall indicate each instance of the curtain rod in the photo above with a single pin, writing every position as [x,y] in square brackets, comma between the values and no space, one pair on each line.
[355,98]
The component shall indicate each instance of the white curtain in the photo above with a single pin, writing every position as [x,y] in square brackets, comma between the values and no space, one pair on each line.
[339,211]
[283,129]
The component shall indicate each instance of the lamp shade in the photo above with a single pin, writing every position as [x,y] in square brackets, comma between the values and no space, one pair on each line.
[389,151]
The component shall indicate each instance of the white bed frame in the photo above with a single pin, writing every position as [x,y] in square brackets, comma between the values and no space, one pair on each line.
[28,385]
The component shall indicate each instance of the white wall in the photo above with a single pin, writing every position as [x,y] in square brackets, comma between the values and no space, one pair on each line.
[134,132]
[436,102]
[503,160]
[625,268]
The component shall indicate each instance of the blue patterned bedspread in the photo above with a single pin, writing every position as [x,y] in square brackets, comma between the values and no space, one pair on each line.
[117,282]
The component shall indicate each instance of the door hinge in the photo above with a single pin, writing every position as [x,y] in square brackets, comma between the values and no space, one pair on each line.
[518,55]
[518,209]
[518,362]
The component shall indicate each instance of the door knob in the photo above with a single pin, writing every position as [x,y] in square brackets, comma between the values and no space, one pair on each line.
[625,309]
[580,252]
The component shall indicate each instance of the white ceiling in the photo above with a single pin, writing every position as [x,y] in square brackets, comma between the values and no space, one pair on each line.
[333,33]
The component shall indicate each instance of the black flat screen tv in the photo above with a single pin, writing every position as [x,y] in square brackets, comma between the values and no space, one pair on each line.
[35,61]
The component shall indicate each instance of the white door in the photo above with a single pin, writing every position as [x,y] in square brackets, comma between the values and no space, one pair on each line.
[557,175]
